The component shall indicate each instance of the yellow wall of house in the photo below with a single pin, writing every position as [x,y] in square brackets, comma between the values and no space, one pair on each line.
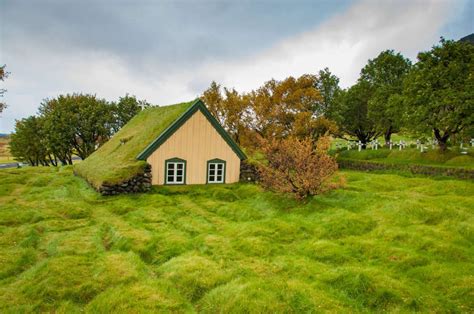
[196,141]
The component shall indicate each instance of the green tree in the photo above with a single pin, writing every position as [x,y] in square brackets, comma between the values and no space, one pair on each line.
[58,131]
[125,109]
[28,143]
[3,76]
[439,91]
[85,120]
[385,75]
[328,86]
[351,113]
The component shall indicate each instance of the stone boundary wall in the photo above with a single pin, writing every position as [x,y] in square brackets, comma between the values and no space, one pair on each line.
[248,172]
[138,184]
[365,165]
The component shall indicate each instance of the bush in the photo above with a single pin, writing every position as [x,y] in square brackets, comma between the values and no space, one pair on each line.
[295,166]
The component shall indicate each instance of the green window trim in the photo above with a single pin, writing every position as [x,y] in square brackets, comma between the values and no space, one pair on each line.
[215,161]
[175,161]
[198,105]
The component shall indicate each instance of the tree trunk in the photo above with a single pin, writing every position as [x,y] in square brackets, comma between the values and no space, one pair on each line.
[388,135]
[442,139]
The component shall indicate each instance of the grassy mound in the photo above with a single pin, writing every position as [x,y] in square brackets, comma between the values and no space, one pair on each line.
[385,243]
[116,161]
[450,158]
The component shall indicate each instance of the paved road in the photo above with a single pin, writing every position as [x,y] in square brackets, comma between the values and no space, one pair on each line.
[9,165]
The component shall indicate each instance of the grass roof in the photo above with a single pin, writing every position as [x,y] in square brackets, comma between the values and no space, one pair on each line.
[115,162]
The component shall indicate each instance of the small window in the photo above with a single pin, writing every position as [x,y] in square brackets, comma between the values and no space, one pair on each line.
[216,171]
[175,171]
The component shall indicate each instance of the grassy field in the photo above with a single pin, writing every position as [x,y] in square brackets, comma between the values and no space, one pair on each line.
[451,158]
[384,243]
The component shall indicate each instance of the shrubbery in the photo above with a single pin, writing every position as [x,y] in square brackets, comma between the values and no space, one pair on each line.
[296,166]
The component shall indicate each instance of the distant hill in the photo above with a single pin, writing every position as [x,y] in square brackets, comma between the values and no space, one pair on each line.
[468,38]
[4,135]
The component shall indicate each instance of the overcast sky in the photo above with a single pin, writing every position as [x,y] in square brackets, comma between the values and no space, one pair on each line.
[170,51]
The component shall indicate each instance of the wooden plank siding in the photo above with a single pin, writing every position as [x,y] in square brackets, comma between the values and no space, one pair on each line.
[196,141]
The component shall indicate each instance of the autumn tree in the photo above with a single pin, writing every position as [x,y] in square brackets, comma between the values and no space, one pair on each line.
[3,75]
[439,91]
[229,107]
[280,109]
[295,166]
[385,75]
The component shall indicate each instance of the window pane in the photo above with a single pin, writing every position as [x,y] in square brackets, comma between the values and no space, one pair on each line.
[220,166]
[179,178]
[212,166]
[212,172]
[179,166]
[170,179]
[170,172]
[219,179]
[211,178]
[170,165]
[179,172]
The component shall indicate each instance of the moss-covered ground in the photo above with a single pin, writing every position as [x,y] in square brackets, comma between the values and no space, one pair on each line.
[384,243]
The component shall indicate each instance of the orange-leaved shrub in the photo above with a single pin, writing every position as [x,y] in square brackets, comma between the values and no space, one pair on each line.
[299,167]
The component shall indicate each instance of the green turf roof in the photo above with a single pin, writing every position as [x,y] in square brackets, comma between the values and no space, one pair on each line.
[115,162]
[125,154]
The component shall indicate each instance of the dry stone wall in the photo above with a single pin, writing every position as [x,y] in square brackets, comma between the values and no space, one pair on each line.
[138,184]
[248,172]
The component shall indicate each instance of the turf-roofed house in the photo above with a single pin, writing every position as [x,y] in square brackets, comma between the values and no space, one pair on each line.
[172,145]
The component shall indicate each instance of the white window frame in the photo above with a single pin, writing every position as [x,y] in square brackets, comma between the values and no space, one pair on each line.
[217,165]
[175,175]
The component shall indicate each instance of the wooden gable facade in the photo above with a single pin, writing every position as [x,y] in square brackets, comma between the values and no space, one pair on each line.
[195,149]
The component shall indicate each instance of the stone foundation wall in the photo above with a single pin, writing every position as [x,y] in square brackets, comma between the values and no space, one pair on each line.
[138,184]
[248,172]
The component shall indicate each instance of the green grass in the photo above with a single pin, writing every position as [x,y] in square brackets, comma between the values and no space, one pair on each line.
[383,243]
[450,158]
[115,162]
